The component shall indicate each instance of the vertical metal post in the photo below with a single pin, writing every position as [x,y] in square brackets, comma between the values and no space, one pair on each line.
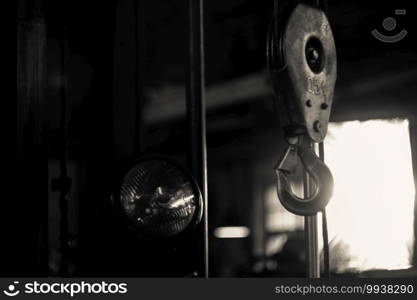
[30,170]
[312,253]
[310,231]
[64,180]
[140,55]
[196,112]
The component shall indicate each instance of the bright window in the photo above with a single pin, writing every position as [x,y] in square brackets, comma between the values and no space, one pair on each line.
[371,214]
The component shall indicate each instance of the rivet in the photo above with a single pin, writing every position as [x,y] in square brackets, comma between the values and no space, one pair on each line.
[317,126]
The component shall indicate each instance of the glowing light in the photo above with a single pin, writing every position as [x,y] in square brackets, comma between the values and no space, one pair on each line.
[370,217]
[231,232]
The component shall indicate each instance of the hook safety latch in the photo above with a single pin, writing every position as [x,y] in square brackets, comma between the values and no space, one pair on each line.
[317,170]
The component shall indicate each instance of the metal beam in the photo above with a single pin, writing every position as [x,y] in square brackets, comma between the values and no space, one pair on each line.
[196,114]
[366,96]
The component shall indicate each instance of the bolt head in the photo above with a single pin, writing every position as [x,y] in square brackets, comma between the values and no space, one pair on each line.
[317,126]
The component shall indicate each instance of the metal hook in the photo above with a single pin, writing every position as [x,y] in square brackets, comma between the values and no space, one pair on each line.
[320,174]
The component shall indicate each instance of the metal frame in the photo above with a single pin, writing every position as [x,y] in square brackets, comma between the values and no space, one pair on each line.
[196,116]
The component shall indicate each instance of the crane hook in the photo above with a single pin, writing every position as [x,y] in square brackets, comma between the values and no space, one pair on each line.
[320,174]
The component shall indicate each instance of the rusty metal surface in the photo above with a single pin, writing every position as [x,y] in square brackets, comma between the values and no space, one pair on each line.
[306,90]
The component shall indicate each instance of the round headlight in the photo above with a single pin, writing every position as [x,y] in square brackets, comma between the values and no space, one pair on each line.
[159,199]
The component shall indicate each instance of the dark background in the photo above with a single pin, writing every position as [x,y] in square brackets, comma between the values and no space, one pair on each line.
[122,51]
